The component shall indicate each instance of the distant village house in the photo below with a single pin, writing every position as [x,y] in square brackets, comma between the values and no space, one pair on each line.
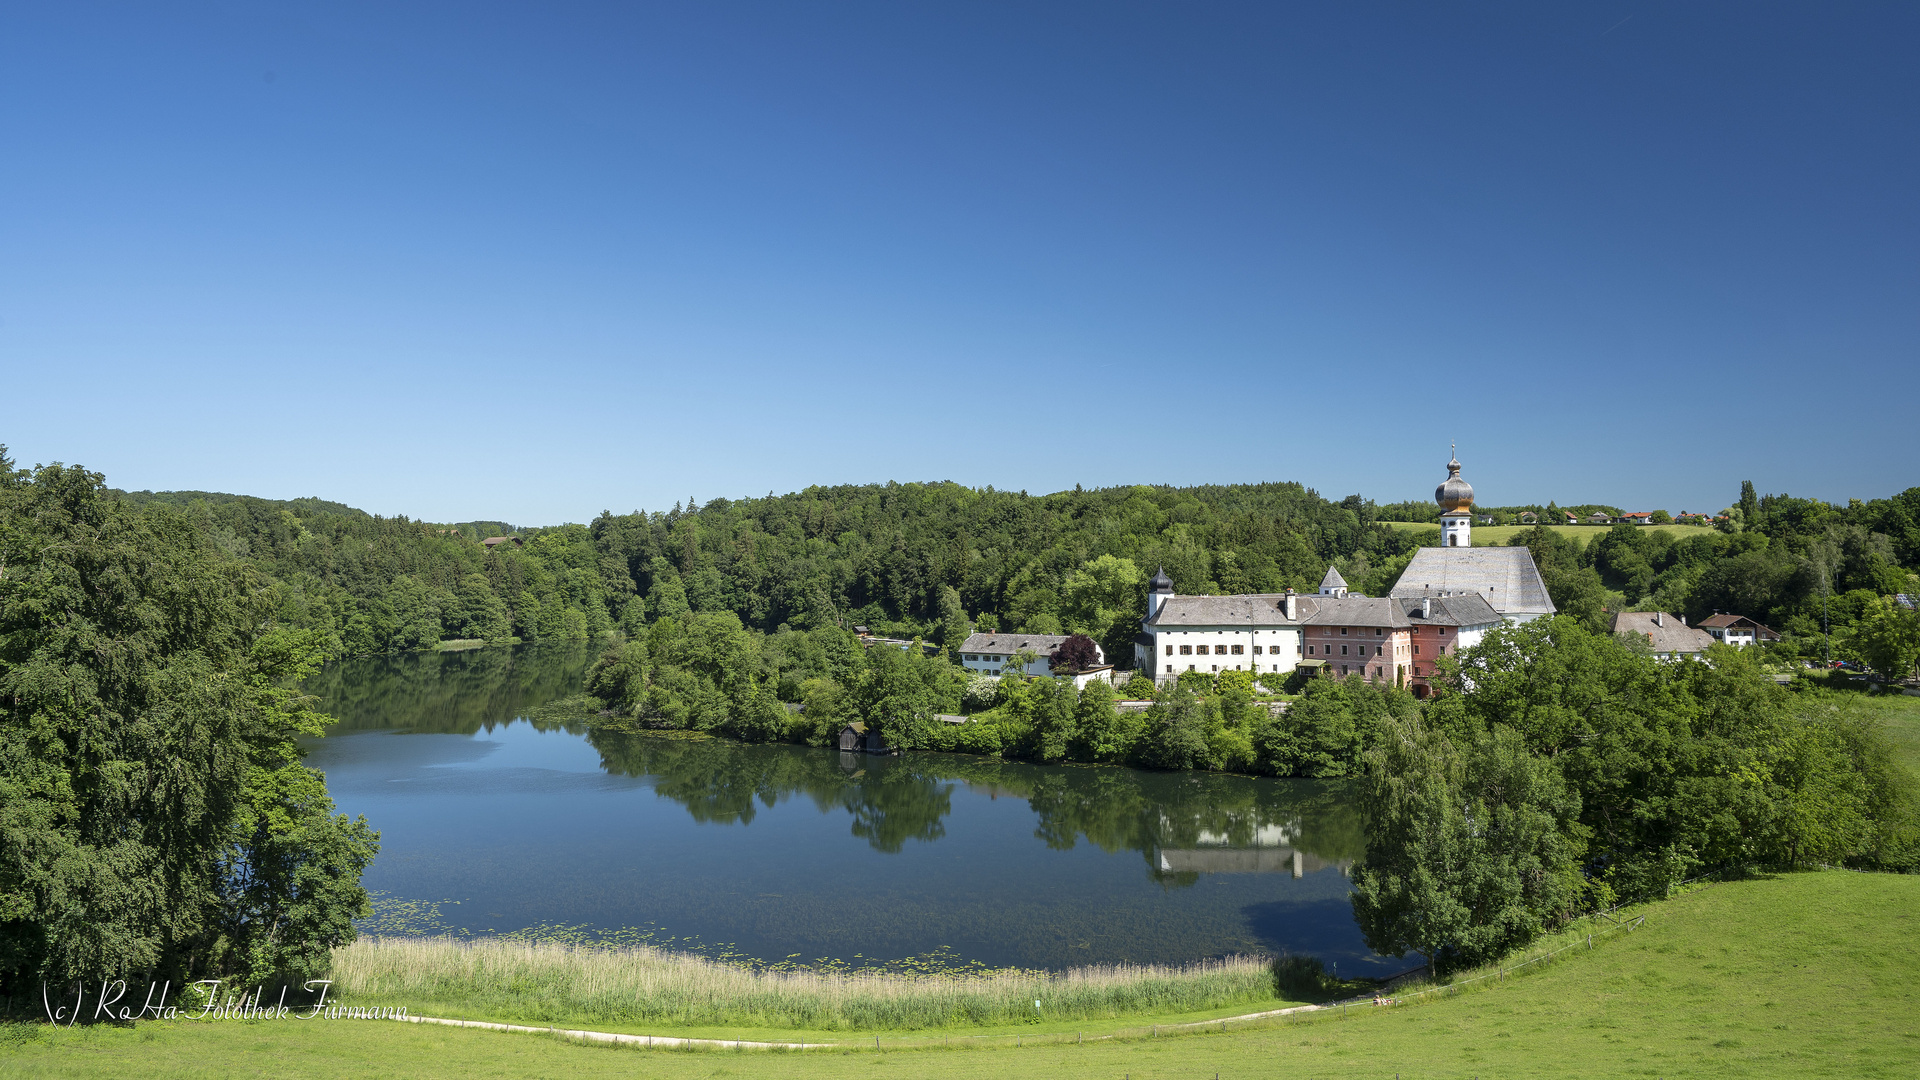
[1669,636]
[1736,630]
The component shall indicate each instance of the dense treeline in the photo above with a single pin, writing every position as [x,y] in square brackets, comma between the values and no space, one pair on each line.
[1822,575]
[926,559]
[1560,770]
[937,560]
[155,820]
[708,673]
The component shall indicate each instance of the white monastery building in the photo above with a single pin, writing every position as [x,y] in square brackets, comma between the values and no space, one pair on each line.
[1446,600]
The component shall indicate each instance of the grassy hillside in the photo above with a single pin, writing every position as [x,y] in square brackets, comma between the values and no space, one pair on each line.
[1493,535]
[1902,716]
[1802,975]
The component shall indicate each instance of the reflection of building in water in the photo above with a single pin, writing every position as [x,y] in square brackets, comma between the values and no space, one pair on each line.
[1268,850]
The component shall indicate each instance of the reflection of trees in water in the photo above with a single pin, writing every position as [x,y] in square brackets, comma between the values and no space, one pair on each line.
[895,799]
[719,780]
[448,693]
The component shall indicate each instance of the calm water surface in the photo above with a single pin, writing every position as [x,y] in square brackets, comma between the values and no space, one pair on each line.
[783,851]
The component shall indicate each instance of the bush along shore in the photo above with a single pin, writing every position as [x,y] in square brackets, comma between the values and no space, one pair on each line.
[553,983]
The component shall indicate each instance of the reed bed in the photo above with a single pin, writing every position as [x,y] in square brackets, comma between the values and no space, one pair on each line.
[550,982]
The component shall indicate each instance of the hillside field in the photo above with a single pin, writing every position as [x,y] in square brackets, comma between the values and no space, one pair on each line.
[1798,975]
[1498,535]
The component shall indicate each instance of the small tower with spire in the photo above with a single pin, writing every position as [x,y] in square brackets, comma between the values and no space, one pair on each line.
[1158,590]
[1455,497]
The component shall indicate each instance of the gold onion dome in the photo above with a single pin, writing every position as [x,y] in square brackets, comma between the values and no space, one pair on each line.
[1455,493]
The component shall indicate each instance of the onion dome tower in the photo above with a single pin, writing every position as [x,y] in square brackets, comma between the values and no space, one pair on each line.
[1455,497]
[1158,590]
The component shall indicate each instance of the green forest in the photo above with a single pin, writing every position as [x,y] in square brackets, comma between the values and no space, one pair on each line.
[937,560]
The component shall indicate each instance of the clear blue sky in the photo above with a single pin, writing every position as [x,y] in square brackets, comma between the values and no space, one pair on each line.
[532,261]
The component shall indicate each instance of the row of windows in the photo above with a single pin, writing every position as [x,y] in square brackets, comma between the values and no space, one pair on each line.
[1363,650]
[1222,650]
[1216,667]
[1378,631]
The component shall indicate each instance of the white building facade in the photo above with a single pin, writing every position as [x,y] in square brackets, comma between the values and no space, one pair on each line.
[993,653]
[1258,632]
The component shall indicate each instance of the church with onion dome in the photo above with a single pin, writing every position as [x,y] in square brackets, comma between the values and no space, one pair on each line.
[1505,577]
[1446,600]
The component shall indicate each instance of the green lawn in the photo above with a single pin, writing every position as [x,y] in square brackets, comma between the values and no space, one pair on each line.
[1902,715]
[1802,975]
[1498,535]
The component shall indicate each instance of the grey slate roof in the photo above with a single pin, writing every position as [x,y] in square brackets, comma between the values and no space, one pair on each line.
[1251,609]
[1667,634]
[1467,610]
[1265,609]
[1333,580]
[1008,644]
[1503,576]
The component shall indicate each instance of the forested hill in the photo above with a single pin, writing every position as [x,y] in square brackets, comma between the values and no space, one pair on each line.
[933,558]
[306,506]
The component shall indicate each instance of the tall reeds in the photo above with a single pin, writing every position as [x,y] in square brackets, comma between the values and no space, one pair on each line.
[551,982]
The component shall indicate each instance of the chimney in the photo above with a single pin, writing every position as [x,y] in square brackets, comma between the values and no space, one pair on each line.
[1659,618]
[1683,620]
[1291,606]
[1426,607]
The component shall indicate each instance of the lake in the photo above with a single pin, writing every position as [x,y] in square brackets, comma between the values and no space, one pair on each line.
[508,823]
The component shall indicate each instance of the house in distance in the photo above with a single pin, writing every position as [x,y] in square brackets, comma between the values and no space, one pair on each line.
[993,653]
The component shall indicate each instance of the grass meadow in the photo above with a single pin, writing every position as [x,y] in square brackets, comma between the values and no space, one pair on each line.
[1797,975]
[1498,535]
[1901,712]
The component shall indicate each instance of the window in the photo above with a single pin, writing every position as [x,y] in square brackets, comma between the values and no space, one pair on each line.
[1443,629]
[1343,630]
[1169,669]
[1256,650]
[1186,650]
[1416,650]
[1201,649]
[1169,650]
[1238,649]
[1343,652]
[1376,650]
[1216,667]
[1377,631]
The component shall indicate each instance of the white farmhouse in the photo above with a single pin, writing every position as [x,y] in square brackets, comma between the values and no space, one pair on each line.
[993,653]
[1737,630]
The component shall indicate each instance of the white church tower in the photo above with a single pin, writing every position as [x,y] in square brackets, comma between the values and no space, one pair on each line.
[1455,497]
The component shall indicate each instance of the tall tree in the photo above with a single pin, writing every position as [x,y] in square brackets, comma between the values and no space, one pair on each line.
[155,816]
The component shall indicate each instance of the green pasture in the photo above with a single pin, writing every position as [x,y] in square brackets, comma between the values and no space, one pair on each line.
[1498,535]
[1902,716]
[1797,975]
